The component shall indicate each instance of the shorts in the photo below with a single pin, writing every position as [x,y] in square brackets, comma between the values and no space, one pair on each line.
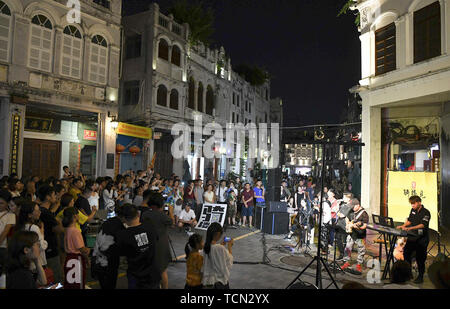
[231,210]
[247,212]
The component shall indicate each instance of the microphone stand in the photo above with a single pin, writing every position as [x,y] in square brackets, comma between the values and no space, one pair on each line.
[318,258]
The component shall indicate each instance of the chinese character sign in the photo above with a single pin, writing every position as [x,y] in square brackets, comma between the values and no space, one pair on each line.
[212,213]
[403,185]
[15,138]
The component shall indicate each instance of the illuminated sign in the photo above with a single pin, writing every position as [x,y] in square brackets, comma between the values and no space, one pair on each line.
[15,139]
[90,135]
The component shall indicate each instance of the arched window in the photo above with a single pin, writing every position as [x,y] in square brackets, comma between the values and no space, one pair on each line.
[5,27]
[200,97]
[98,60]
[71,52]
[209,100]
[163,50]
[191,102]
[174,99]
[41,43]
[161,96]
[176,55]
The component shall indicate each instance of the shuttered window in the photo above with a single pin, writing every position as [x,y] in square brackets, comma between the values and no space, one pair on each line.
[385,52]
[71,52]
[5,27]
[98,60]
[40,52]
[427,32]
[173,99]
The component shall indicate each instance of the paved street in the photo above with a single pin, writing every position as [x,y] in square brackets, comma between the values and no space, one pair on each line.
[248,271]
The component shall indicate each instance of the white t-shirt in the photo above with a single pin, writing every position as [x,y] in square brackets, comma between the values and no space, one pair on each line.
[93,200]
[42,242]
[326,213]
[6,218]
[187,216]
[221,194]
[217,265]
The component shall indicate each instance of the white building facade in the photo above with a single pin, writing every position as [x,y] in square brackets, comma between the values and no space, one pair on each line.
[405,91]
[59,85]
[168,81]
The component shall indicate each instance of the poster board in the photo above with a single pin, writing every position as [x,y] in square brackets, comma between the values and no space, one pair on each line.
[403,185]
[212,213]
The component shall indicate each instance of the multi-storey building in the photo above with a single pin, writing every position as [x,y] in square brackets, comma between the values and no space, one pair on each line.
[59,83]
[167,80]
[405,91]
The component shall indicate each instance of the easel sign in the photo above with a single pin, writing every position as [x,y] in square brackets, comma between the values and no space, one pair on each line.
[212,213]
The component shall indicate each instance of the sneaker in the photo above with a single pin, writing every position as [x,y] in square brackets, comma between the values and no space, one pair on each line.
[250,226]
[419,279]
[345,266]
[359,268]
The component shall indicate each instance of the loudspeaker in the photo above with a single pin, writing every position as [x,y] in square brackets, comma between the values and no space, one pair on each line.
[273,193]
[276,223]
[277,207]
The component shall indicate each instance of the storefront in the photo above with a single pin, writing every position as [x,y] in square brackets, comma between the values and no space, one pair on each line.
[132,147]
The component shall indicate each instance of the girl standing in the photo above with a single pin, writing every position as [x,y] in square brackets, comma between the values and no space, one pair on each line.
[218,260]
[194,262]
[76,252]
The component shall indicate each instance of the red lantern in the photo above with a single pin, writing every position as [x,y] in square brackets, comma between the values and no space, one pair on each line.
[120,148]
[134,150]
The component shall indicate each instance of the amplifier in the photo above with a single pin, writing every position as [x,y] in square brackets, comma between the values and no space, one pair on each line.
[276,223]
[277,207]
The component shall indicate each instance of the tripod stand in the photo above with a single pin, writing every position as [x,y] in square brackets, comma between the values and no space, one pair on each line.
[334,264]
[318,258]
[439,245]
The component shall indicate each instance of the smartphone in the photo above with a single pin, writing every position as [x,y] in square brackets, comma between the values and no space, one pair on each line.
[227,239]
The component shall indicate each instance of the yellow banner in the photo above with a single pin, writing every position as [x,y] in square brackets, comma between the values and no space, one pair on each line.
[403,185]
[134,131]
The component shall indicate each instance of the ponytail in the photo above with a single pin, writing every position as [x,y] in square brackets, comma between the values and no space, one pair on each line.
[69,213]
[212,230]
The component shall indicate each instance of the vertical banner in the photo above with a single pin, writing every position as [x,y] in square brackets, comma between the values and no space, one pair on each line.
[403,185]
[212,213]
[15,140]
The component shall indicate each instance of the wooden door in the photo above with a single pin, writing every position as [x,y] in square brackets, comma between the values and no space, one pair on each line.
[41,158]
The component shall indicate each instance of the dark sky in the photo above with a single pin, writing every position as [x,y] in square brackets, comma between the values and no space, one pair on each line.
[312,55]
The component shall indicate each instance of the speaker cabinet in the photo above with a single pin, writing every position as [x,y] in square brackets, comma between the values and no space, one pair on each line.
[276,223]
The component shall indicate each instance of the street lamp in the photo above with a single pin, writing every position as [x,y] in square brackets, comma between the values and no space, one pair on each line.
[114,122]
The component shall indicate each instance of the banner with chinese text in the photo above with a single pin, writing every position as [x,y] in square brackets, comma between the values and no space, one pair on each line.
[134,131]
[212,213]
[403,185]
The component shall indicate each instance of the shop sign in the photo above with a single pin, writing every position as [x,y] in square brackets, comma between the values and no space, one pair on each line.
[157,135]
[134,131]
[38,124]
[90,135]
[15,139]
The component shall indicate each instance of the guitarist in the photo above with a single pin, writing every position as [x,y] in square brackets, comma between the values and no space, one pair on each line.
[417,227]
[358,224]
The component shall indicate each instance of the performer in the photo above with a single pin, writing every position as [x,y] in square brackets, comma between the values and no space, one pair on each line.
[341,235]
[357,228]
[326,221]
[417,224]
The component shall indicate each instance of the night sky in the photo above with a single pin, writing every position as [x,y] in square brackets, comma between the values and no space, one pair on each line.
[312,55]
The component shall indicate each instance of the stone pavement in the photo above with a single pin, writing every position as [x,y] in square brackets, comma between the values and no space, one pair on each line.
[249,272]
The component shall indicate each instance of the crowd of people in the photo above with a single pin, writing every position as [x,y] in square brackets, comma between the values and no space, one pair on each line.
[45,225]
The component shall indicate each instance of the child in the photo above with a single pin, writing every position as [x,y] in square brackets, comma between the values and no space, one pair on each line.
[194,262]
[232,207]
[76,252]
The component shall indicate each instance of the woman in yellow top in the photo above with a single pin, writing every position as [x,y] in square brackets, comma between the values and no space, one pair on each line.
[194,262]
[68,201]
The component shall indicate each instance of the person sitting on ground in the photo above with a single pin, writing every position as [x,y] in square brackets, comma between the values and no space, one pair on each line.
[138,244]
[23,256]
[194,262]
[75,251]
[401,274]
[217,260]
[187,218]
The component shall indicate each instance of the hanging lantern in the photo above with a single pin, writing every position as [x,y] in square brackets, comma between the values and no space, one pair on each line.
[134,150]
[120,148]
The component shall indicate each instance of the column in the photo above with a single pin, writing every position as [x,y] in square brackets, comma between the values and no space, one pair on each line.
[371,157]
[445,15]
[400,39]
[106,146]
[409,36]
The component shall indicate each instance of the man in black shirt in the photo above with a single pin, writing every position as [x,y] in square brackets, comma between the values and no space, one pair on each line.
[138,244]
[417,224]
[358,222]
